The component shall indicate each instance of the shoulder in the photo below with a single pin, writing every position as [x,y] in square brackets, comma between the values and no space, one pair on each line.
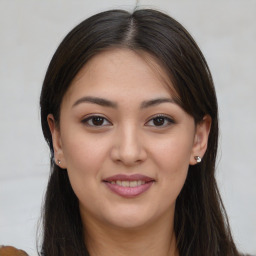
[11,251]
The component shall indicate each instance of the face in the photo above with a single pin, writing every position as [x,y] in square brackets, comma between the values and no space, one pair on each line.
[124,141]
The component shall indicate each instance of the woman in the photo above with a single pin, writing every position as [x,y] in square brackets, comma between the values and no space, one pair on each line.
[129,111]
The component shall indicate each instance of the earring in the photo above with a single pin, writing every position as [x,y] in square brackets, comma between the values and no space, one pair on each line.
[58,161]
[198,159]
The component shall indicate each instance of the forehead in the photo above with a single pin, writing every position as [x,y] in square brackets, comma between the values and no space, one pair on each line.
[123,71]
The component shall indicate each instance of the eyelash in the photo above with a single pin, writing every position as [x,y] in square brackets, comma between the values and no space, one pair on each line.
[167,121]
[90,119]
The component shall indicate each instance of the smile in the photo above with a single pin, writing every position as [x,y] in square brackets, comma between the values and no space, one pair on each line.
[129,186]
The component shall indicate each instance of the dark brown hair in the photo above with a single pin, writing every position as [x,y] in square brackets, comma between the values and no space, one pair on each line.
[201,224]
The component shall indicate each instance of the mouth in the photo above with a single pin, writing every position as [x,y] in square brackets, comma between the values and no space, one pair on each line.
[129,185]
[126,183]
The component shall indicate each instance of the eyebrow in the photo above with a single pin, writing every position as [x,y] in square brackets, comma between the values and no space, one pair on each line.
[150,103]
[107,103]
[96,100]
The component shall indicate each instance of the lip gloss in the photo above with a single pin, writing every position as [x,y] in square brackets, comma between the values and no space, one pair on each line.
[141,185]
[129,191]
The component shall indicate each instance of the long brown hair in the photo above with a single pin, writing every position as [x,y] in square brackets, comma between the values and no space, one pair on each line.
[201,224]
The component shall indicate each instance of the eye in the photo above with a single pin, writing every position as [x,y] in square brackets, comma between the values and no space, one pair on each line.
[160,121]
[96,121]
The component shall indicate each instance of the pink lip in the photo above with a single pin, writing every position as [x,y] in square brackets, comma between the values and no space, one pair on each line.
[129,192]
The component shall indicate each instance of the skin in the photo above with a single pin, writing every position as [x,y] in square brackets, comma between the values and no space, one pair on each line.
[128,139]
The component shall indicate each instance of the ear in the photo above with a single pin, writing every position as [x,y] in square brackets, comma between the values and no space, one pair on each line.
[201,139]
[56,140]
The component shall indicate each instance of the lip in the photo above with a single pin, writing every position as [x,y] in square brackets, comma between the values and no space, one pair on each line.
[124,177]
[129,192]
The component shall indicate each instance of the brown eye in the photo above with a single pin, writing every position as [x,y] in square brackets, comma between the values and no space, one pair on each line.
[160,121]
[96,121]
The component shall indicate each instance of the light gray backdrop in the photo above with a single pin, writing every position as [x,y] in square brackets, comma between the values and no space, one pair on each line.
[31,30]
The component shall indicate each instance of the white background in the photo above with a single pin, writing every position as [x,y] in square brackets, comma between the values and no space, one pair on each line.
[30,32]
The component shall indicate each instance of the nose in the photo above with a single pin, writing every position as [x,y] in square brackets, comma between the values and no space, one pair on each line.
[128,147]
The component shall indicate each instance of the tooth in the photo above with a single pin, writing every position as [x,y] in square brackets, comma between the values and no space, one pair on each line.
[125,183]
[133,183]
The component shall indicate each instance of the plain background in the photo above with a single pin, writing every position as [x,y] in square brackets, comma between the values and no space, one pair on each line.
[30,32]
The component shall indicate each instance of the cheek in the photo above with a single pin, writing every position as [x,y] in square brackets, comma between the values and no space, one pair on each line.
[172,158]
[173,153]
[84,154]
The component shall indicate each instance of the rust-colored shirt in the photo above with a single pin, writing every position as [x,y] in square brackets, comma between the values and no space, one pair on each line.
[11,251]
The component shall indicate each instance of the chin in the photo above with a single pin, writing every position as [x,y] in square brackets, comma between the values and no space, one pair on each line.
[128,223]
[130,218]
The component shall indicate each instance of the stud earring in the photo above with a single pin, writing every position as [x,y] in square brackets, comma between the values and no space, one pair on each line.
[58,161]
[198,159]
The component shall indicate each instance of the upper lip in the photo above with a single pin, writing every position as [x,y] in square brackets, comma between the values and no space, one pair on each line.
[125,177]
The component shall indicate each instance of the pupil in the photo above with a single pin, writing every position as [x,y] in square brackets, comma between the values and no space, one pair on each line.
[158,121]
[97,120]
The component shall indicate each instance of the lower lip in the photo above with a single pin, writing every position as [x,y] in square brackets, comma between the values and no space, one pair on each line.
[129,191]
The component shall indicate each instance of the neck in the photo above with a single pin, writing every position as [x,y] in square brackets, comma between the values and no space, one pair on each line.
[155,239]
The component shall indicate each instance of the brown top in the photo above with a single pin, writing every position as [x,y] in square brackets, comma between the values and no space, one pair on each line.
[11,251]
